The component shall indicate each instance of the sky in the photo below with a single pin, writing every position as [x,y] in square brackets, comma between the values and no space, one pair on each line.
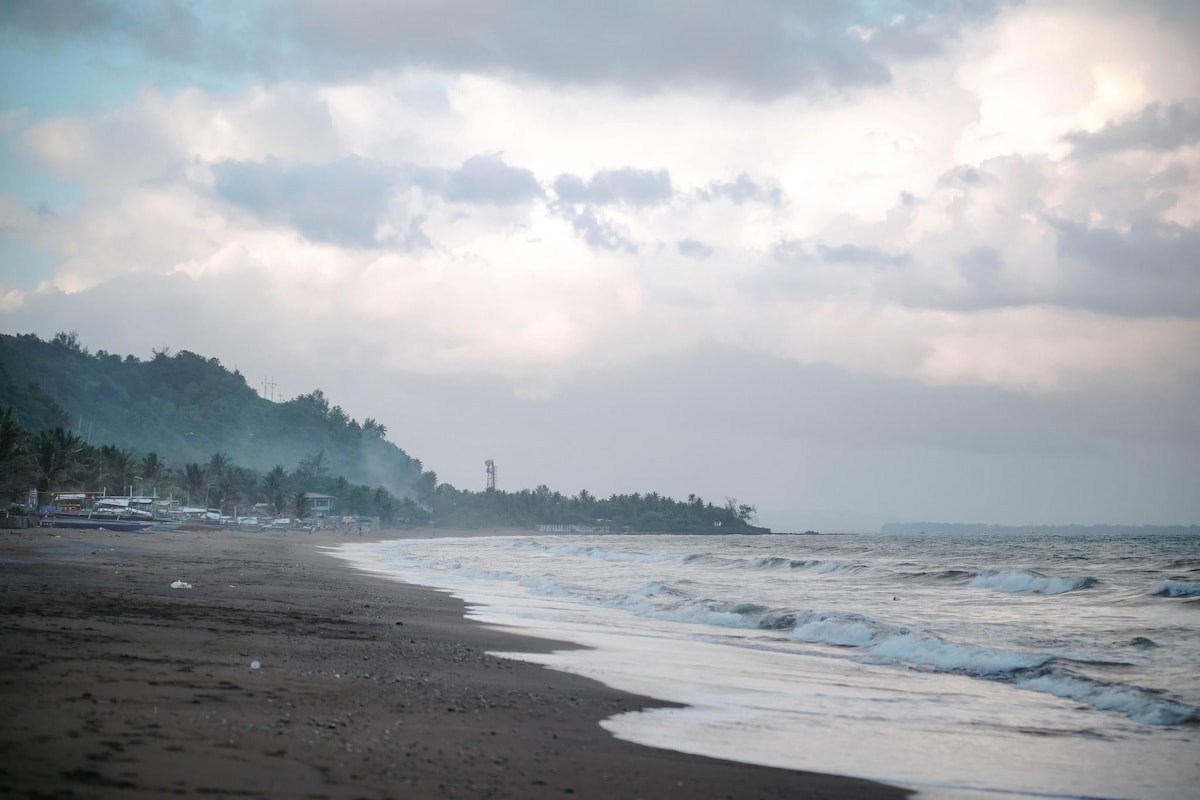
[849,262]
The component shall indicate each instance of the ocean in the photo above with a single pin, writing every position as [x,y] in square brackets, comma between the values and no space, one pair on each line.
[1026,666]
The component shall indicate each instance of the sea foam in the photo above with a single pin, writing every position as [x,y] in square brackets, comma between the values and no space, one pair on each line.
[1176,589]
[1029,582]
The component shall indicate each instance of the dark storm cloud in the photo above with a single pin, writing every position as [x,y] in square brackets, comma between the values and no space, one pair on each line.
[693,248]
[761,50]
[634,187]
[1157,128]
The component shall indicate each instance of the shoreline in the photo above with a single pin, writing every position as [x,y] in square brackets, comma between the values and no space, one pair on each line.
[112,683]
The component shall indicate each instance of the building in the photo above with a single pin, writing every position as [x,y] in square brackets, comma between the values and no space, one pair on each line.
[321,505]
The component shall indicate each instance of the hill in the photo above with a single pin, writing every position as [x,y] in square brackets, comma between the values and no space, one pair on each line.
[185,424]
[185,408]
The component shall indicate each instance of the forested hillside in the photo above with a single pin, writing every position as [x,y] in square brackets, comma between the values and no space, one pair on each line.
[185,408]
[183,424]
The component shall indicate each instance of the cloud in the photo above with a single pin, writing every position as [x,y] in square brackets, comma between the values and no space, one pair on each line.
[741,190]
[856,254]
[487,179]
[693,248]
[66,19]
[628,186]
[339,203]
[1151,269]
[778,48]
[965,176]
[598,232]
[1157,128]
[345,202]
[761,50]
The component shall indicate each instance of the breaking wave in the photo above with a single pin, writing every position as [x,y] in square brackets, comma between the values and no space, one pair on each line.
[1029,582]
[1176,589]
[1140,705]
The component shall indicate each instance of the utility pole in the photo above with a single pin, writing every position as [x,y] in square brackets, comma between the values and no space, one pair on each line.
[491,474]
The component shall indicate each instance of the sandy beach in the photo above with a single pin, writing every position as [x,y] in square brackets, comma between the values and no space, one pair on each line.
[283,672]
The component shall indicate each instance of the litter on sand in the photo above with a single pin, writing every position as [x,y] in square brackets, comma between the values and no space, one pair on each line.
[180,585]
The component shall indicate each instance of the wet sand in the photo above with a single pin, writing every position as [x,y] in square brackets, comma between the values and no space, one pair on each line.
[114,684]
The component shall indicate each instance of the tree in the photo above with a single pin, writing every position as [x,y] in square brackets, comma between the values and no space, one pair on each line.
[57,454]
[70,341]
[18,467]
[312,469]
[385,506]
[425,487]
[217,465]
[240,486]
[120,467]
[300,505]
[193,480]
[154,471]
[374,428]
[275,487]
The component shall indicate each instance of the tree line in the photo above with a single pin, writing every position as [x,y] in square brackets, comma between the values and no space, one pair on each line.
[527,508]
[57,460]
[185,407]
[188,425]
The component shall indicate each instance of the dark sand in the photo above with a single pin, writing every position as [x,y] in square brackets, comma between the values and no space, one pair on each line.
[113,684]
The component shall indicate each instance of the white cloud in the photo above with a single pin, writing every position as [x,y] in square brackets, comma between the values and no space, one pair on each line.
[913,229]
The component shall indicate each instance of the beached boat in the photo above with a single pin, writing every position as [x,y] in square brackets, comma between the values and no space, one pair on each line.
[95,522]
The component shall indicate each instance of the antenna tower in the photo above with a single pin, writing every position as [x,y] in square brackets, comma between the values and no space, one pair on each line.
[491,474]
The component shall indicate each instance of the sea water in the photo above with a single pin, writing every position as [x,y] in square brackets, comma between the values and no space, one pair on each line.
[960,666]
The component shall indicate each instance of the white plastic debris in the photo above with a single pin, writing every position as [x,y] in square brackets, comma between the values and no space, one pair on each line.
[254,664]
[180,585]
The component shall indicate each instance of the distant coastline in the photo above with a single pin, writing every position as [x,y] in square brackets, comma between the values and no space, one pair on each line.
[984,528]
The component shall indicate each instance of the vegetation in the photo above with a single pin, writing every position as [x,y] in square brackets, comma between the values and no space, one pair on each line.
[190,429]
[183,408]
[452,507]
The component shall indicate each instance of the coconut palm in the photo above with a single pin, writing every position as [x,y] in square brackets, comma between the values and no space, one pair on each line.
[217,466]
[154,472]
[275,488]
[300,505]
[18,467]
[193,480]
[113,467]
[58,457]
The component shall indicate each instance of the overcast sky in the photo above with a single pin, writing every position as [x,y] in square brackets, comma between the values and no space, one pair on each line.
[848,262]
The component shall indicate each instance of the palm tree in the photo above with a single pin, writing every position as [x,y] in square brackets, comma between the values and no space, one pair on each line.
[154,470]
[275,486]
[120,466]
[241,486]
[18,467]
[300,504]
[57,454]
[217,465]
[193,480]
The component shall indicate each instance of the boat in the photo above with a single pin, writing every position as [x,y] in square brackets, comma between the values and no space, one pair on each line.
[95,522]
